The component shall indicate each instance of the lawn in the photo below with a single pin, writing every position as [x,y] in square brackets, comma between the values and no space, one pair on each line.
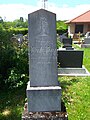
[75,95]
[12,103]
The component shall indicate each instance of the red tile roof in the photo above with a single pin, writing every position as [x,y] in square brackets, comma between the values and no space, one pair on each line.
[85,17]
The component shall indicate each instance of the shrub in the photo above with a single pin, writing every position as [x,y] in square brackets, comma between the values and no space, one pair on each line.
[13,59]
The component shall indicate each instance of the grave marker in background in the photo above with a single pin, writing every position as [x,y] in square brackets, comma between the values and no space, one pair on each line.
[67,42]
[70,58]
[86,43]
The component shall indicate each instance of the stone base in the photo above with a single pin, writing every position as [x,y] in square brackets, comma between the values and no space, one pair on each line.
[44,115]
[85,45]
[73,72]
[43,99]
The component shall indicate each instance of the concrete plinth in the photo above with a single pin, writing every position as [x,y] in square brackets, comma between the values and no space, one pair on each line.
[85,46]
[44,98]
[73,72]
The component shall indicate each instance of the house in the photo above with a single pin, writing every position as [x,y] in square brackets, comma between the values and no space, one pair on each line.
[80,24]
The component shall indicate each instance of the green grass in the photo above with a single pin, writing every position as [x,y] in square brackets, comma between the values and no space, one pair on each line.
[75,95]
[86,56]
[12,103]
[86,60]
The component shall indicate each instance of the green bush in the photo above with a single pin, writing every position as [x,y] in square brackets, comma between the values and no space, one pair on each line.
[61,27]
[13,58]
[23,31]
[58,43]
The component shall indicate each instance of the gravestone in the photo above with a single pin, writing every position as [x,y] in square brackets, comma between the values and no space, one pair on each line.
[43,91]
[19,37]
[86,40]
[67,42]
[86,43]
[70,58]
[87,35]
[62,37]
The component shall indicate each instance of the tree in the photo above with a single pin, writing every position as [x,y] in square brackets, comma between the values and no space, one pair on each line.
[61,27]
[20,23]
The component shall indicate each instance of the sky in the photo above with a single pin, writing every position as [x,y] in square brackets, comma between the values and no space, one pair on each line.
[64,9]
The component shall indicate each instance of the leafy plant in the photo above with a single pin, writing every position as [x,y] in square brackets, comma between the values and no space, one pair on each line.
[14,57]
[58,43]
[61,27]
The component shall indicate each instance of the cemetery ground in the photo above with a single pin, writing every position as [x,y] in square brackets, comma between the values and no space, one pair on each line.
[75,95]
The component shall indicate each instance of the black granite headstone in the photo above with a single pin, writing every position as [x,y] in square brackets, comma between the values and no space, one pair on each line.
[70,58]
[67,42]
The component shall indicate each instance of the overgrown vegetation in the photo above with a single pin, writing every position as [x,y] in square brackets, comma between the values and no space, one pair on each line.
[13,55]
[13,69]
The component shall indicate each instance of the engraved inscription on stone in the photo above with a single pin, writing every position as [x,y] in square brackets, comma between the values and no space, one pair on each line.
[43,52]
[43,26]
